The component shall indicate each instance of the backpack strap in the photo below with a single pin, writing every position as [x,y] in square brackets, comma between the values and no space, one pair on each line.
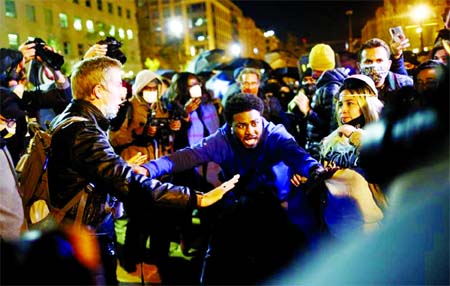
[82,195]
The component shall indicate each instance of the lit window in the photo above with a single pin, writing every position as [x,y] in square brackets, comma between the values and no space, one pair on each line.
[10,8]
[90,26]
[200,36]
[198,22]
[112,30]
[77,24]
[121,33]
[100,28]
[129,34]
[192,50]
[13,40]
[63,20]
[31,13]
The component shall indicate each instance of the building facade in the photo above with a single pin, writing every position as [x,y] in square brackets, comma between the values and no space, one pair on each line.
[420,20]
[178,30]
[72,26]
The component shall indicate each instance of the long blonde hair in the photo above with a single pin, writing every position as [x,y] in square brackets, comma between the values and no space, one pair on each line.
[367,101]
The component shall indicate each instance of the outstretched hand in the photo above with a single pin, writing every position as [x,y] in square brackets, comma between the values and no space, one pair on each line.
[319,175]
[216,194]
[137,159]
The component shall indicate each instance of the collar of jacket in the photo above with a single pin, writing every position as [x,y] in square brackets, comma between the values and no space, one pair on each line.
[86,109]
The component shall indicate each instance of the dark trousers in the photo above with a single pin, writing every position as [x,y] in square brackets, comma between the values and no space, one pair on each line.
[251,241]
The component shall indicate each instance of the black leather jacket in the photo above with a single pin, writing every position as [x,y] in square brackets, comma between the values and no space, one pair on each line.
[81,154]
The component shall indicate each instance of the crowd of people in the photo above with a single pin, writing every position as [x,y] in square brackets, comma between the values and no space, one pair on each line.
[276,173]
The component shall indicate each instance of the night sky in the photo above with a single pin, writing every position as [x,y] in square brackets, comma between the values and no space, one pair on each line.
[318,21]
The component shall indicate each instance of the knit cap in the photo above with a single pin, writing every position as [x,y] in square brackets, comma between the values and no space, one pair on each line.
[143,78]
[322,58]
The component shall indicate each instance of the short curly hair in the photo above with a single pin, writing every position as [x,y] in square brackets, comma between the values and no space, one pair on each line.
[241,102]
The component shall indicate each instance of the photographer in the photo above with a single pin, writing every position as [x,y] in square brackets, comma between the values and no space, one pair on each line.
[147,126]
[20,104]
[148,129]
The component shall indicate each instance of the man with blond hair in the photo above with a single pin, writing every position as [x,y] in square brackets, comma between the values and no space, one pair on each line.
[83,160]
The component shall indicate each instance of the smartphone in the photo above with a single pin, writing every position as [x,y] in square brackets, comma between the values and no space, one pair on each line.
[397,34]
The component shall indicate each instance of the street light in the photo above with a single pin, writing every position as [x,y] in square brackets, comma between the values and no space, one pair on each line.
[420,13]
[349,13]
[235,49]
[176,29]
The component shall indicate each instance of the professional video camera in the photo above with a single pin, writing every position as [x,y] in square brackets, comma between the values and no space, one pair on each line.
[52,59]
[114,49]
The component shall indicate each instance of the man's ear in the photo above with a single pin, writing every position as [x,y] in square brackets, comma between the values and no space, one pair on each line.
[390,63]
[96,92]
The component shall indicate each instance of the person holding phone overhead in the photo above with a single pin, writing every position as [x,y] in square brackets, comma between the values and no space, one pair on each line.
[374,61]
[399,42]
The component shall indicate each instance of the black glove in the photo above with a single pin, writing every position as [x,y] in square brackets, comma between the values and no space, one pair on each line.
[318,175]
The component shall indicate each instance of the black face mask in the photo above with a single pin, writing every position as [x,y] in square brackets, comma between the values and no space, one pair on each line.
[309,89]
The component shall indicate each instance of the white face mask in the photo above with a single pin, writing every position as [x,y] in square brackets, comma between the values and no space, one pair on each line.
[195,91]
[150,96]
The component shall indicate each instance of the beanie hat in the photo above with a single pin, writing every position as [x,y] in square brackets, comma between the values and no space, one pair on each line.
[322,58]
[143,78]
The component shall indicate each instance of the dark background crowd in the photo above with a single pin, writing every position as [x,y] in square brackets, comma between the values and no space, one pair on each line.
[343,167]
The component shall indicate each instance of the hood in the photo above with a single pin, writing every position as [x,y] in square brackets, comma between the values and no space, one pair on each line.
[335,75]
[143,78]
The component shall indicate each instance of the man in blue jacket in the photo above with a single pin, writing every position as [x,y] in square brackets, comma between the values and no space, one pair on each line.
[251,237]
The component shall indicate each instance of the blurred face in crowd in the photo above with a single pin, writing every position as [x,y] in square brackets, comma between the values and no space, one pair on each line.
[250,83]
[247,128]
[348,107]
[194,87]
[309,85]
[441,56]
[112,93]
[375,63]
[427,80]
[150,92]
[316,74]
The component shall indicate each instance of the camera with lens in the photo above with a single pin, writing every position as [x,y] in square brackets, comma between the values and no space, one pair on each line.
[114,49]
[52,59]
[164,132]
